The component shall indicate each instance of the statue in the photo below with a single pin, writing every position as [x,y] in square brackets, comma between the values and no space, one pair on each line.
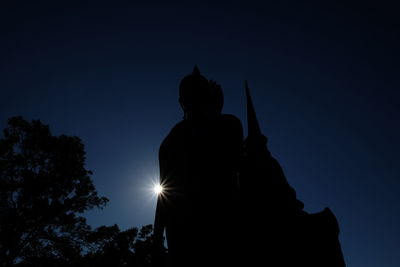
[199,165]
[226,202]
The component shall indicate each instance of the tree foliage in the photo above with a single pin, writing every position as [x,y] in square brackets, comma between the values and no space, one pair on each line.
[44,186]
[115,248]
[44,189]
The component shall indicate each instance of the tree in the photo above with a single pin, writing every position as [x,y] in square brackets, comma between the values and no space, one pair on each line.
[111,247]
[44,187]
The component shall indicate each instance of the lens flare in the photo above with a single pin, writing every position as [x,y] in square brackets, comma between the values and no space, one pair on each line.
[158,189]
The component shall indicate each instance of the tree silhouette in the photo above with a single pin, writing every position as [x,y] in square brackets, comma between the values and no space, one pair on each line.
[44,189]
[111,247]
[44,186]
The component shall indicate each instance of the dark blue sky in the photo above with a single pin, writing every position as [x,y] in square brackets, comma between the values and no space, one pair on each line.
[324,78]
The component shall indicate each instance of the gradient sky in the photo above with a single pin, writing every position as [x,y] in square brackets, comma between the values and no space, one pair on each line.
[324,79]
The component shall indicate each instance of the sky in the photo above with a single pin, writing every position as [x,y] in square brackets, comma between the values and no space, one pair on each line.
[323,76]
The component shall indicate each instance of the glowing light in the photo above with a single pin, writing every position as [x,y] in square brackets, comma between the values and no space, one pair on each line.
[158,189]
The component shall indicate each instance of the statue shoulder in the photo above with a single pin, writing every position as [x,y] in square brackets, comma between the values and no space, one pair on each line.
[175,134]
[178,129]
[231,121]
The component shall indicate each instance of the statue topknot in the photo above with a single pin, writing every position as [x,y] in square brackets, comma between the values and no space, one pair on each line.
[194,93]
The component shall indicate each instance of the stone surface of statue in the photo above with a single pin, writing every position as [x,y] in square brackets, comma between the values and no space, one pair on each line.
[199,161]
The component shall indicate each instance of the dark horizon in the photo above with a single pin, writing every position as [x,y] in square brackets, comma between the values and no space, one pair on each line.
[323,78]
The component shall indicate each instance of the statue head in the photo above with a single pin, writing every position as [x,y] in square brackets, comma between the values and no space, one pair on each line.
[217,98]
[195,94]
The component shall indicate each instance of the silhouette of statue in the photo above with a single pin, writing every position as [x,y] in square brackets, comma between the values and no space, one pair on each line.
[199,164]
[289,235]
[208,218]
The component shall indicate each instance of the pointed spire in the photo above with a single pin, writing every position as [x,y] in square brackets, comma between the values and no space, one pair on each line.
[252,123]
[196,70]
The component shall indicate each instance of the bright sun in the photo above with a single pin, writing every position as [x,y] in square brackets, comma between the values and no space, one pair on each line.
[158,189]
